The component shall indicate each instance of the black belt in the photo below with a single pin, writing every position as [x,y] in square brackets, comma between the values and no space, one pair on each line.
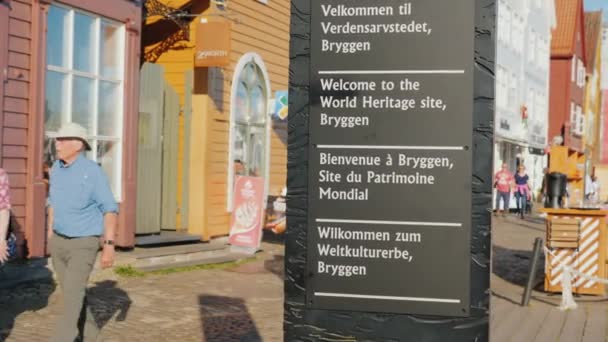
[72,237]
[63,236]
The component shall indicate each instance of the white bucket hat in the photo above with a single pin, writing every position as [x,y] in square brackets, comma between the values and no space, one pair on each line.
[72,130]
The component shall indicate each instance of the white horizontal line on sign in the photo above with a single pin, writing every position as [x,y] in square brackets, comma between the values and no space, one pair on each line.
[408,299]
[396,223]
[392,147]
[389,72]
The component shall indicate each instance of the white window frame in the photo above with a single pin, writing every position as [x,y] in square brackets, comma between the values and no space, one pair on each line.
[512,89]
[531,46]
[498,82]
[531,102]
[539,105]
[504,22]
[507,30]
[580,77]
[539,47]
[574,68]
[96,76]
[243,61]
[573,118]
[580,121]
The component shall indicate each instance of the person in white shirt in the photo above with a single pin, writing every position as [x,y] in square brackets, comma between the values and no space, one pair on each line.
[588,187]
[596,189]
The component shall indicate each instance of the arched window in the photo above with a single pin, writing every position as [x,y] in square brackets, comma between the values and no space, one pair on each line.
[248,121]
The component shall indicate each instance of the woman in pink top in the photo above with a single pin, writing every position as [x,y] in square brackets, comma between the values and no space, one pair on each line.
[5,207]
[503,182]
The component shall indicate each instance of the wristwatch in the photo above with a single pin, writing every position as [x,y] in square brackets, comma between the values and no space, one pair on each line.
[108,242]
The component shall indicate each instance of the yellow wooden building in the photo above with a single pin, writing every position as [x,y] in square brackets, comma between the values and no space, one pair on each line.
[593,98]
[226,121]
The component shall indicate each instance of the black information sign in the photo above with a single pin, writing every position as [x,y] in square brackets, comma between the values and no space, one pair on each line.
[390,160]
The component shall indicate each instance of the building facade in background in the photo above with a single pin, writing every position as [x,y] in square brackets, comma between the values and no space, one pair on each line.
[568,72]
[522,84]
[67,61]
[604,86]
[593,93]
[228,125]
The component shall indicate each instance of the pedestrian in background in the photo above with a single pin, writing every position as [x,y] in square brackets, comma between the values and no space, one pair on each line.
[503,182]
[81,209]
[522,190]
[596,190]
[7,240]
[545,188]
[588,187]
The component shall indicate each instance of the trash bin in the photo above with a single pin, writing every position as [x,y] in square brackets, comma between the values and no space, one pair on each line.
[556,189]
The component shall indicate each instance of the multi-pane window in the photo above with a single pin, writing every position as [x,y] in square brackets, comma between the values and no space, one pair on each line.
[540,110]
[507,28]
[580,77]
[573,118]
[531,102]
[501,85]
[517,36]
[513,89]
[580,120]
[532,46]
[84,84]
[574,68]
[249,124]
[540,51]
[504,25]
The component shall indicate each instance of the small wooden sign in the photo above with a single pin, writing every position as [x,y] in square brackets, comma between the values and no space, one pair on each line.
[212,44]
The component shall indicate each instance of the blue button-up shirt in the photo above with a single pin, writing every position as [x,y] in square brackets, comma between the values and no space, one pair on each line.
[80,195]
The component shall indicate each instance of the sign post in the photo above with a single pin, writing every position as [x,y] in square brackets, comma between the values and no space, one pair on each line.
[390,150]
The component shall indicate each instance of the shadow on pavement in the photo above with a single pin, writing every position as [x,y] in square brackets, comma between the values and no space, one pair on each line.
[513,265]
[226,319]
[275,239]
[106,300]
[23,297]
[276,266]
[529,222]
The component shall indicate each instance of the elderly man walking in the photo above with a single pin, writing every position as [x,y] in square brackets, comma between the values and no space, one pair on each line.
[81,210]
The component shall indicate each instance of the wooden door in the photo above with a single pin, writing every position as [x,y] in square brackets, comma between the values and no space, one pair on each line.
[150,149]
[187,117]
[169,169]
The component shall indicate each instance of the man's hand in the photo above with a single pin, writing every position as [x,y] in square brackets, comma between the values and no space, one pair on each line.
[107,256]
[3,251]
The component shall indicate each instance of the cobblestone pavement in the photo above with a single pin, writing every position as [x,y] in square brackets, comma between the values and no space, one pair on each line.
[241,303]
[245,303]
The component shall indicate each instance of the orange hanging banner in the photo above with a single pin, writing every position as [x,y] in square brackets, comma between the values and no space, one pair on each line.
[212,44]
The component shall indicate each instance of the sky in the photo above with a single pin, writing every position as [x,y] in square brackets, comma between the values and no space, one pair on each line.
[592,5]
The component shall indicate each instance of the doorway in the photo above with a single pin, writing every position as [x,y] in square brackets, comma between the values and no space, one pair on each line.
[157,175]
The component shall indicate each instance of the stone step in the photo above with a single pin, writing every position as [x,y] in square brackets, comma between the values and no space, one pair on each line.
[193,259]
[143,253]
[166,237]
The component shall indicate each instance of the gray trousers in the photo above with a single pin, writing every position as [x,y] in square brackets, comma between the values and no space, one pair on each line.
[73,261]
